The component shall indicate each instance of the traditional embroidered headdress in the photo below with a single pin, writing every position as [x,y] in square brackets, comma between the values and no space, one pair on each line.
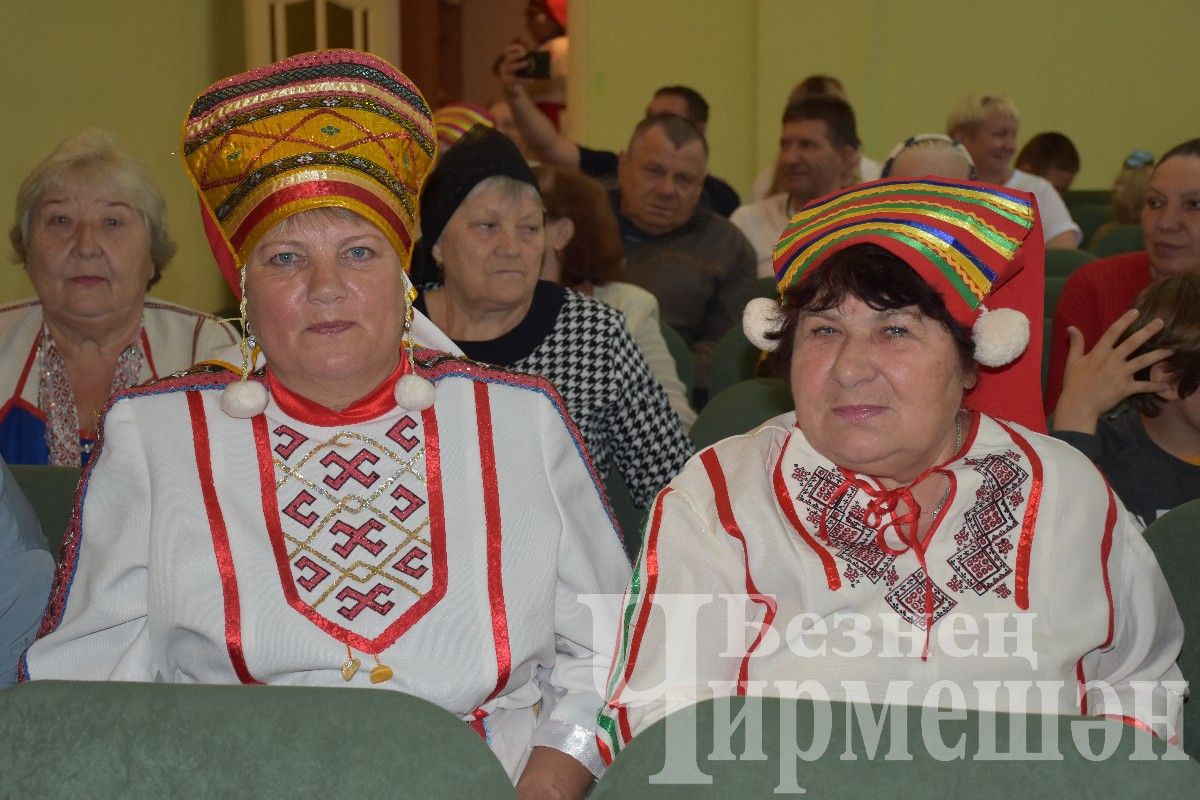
[454,120]
[336,128]
[964,238]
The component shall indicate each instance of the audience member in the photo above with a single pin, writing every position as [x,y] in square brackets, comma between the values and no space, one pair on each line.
[987,127]
[502,116]
[358,497]
[881,499]
[1050,155]
[933,155]
[482,224]
[551,147]
[546,24]
[1099,292]
[698,265]
[817,148]
[1128,192]
[583,252]
[1150,358]
[769,180]
[26,570]
[91,230]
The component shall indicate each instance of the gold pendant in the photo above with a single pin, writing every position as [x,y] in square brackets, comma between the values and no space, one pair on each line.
[350,668]
[381,673]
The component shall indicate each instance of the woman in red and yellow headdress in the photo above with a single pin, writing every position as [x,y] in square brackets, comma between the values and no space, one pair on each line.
[339,501]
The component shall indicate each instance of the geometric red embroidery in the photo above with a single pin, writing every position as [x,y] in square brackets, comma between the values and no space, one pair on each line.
[412,502]
[980,561]
[851,540]
[364,601]
[358,537]
[318,573]
[293,509]
[397,433]
[350,469]
[285,449]
[354,516]
[405,564]
[908,600]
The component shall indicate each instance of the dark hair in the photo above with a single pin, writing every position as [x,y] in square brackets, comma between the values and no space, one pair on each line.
[835,112]
[1189,148]
[1047,151]
[697,106]
[814,86]
[594,253]
[876,277]
[679,131]
[1176,301]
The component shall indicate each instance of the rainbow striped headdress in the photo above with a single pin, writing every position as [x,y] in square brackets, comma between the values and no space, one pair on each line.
[965,238]
[332,128]
[453,122]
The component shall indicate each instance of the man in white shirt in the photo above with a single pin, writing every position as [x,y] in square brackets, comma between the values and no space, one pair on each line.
[818,147]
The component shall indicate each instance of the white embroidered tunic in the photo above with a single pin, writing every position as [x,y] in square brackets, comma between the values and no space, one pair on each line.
[450,545]
[768,563]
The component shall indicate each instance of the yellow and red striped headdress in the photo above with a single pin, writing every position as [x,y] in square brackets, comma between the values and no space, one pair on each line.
[453,122]
[332,128]
[963,237]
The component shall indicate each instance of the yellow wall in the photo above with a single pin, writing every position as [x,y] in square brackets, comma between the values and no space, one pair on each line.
[1111,74]
[132,66]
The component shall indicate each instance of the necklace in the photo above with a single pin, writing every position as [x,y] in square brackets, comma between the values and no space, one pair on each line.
[957,446]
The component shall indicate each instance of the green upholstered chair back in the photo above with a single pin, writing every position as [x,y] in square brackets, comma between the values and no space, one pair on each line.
[1090,216]
[681,354]
[1064,262]
[629,516]
[1118,239]
[697,754]
[1175,539]
[1054,287]
[741,408]
[1077,198]
[765,287]
[125,740]
[51,492]
[734,360]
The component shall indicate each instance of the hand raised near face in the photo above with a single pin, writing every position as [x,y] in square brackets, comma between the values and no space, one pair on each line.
[1099,379]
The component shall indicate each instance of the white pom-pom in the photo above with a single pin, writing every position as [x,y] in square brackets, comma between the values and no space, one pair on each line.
[244,399]
[414,392]
[1000,336]
[761,316]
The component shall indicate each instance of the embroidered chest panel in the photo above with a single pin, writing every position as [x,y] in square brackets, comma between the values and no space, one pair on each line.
[971,555]
[359,536]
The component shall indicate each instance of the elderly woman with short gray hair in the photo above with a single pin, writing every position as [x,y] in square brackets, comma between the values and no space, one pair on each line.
[91,232]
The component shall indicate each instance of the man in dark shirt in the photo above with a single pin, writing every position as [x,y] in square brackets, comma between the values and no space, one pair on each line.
[551,147]
[696,263]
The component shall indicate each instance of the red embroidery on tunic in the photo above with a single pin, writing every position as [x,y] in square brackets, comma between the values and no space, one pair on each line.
[358,541]
[980,562]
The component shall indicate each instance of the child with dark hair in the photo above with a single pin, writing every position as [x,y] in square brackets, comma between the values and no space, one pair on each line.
[1050,155]
[1150,357]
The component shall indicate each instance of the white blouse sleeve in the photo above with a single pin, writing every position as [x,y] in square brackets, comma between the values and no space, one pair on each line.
[1135,677]
[675,620]
[97,614]
[592,572]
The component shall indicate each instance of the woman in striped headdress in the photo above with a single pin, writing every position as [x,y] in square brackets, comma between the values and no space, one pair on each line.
[860,542]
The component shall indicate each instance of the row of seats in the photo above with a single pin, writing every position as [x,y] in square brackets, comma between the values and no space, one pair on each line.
[179,740]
